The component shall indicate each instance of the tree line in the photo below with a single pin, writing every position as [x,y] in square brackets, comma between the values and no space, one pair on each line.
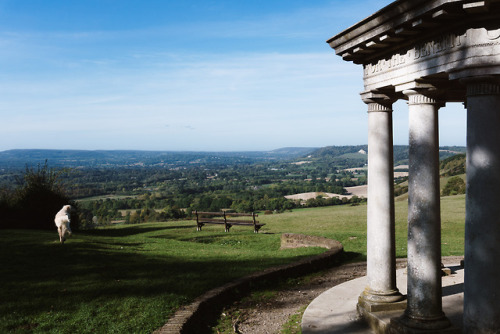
[141,194]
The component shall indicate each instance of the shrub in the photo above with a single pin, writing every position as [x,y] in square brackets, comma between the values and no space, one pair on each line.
[454,186]
[36,200]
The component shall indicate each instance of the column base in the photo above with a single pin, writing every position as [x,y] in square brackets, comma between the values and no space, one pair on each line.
[406,325]
[376,302]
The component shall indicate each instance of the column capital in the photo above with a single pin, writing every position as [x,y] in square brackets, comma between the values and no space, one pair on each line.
[482,85]
[377,101]
[379,107]
[421,92]
[423,96]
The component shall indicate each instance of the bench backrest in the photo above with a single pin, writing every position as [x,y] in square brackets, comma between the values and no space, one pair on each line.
[225,215]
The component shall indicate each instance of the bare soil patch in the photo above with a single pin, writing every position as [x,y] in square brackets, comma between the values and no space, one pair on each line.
[360,191]
[266,313]
[306,196]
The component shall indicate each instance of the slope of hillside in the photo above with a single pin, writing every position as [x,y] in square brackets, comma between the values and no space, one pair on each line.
[454,165]
[356,155]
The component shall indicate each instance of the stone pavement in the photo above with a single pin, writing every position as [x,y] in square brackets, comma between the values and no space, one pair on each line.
[334,311]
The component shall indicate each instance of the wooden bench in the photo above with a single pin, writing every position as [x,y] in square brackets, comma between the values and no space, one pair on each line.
[222,218]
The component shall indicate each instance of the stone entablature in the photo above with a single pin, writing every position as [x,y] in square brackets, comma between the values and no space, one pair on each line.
[451,53]
[404,22]
[411,40]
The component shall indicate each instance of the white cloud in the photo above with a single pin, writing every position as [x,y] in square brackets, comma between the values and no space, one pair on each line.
[221,92]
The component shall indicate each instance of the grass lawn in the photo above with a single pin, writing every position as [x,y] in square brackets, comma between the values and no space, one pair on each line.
[131,278]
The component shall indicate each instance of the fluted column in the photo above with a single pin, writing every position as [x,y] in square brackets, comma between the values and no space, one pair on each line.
[482,222]
[424,304]
[381,250]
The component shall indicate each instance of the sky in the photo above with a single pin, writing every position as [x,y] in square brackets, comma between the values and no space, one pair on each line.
[222,75]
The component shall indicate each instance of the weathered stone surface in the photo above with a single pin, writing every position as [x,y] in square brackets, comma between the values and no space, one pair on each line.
[482,228]
[424,220]
[381,249]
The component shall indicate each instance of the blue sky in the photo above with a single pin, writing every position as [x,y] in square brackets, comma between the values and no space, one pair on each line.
[185,75]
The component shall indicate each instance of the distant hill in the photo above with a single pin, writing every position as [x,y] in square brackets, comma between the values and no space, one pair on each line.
[356,155]
[341,156]
[349,156]
[293,151]
[118,158]
[335,151]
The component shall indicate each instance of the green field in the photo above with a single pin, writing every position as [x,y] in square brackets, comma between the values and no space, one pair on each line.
[131,278]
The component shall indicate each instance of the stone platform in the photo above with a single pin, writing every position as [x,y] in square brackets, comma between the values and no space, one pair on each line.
[334,311]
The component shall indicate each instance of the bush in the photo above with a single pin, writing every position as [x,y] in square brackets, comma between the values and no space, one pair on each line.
[454,186]
[36,200]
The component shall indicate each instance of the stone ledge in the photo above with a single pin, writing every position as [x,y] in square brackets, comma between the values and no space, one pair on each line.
[204,310]
[403,325]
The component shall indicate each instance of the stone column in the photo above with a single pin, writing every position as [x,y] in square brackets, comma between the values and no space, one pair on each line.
[381,250]
[482,222]
[424,304]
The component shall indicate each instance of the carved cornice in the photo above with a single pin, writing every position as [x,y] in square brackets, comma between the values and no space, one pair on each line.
[404,21]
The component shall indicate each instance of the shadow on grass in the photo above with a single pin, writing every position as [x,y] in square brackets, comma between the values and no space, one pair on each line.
[352,257]
[202,239]
[132,230]
[90,280]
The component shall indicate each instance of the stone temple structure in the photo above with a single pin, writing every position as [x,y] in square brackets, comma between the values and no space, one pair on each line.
[430,52]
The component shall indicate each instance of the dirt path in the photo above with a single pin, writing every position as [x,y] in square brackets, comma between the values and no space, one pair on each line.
[266,315]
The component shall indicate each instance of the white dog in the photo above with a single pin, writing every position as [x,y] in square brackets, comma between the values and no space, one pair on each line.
[62,221]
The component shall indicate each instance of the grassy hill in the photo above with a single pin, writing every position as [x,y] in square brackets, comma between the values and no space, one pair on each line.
[350,155]
[131,278]
[454,165]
